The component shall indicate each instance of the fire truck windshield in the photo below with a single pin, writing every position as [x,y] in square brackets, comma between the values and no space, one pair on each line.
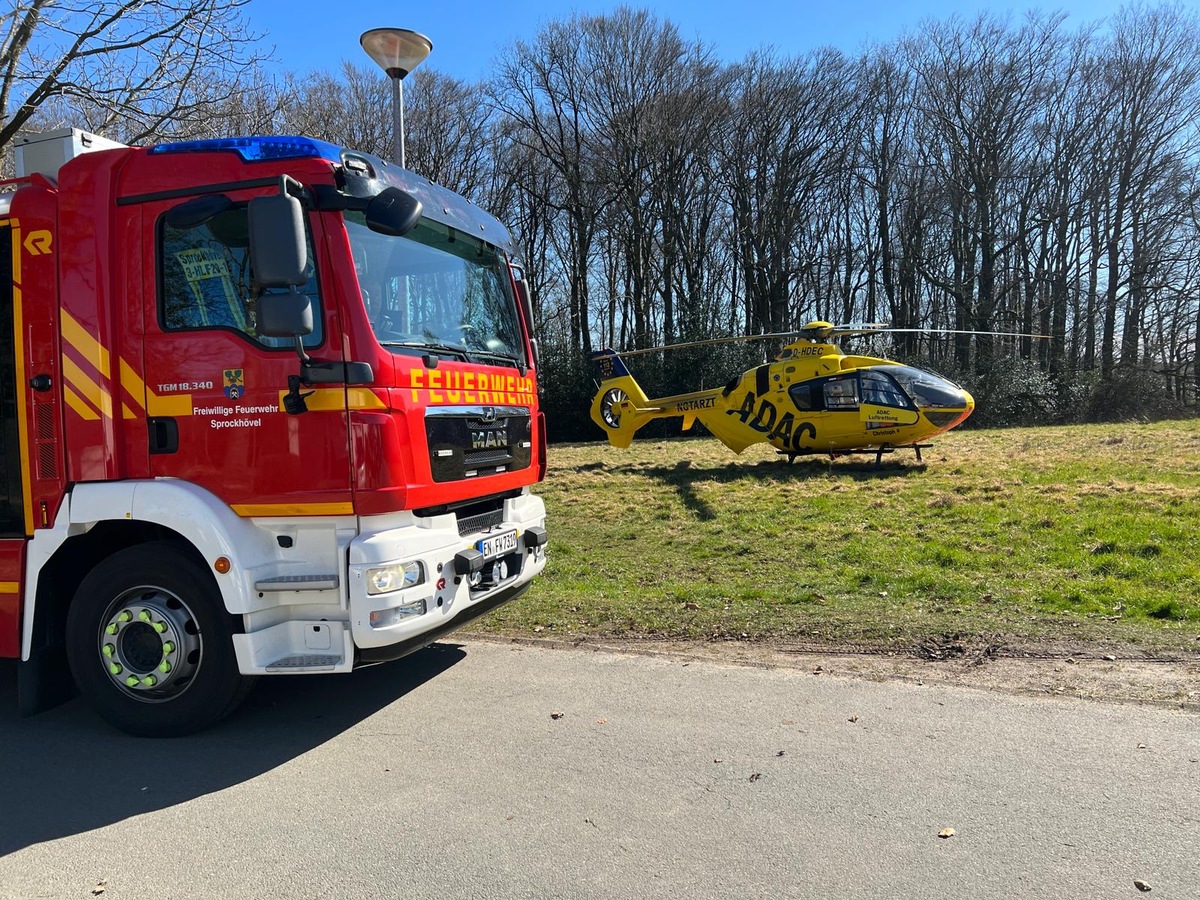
[436,290]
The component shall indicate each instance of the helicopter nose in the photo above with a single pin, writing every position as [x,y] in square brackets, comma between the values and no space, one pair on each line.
[948,416]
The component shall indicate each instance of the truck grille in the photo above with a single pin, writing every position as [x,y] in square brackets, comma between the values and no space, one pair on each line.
[471,524]
[486,458]
[472,441]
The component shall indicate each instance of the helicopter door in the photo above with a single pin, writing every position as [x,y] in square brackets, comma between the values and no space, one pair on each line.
[883,403]
[841,393]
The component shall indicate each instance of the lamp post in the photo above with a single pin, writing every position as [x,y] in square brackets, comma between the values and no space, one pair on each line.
[397,51]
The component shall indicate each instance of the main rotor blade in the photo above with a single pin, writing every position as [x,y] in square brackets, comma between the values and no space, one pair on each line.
[1045,337]
[707,343]
[824,333]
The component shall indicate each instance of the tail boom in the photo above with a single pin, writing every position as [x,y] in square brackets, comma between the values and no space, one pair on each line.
[620,407]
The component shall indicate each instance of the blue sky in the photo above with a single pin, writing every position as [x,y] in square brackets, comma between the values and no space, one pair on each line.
[468,34]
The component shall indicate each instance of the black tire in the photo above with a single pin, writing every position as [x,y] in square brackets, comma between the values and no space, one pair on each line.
[150,644]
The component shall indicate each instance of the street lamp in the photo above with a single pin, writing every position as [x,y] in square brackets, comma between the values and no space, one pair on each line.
[397,51]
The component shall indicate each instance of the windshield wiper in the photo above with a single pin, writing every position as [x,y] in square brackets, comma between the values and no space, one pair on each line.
[432,345]
[496,355]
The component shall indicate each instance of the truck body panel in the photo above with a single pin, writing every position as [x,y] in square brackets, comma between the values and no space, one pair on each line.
[143,406]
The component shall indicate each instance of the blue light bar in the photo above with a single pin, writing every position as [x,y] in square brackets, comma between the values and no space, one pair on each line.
[258,149]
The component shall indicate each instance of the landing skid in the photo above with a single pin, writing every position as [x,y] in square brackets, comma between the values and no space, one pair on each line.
[878,451]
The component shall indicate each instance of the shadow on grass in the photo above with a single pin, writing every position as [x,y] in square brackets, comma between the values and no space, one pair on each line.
[684,477]
[68,772]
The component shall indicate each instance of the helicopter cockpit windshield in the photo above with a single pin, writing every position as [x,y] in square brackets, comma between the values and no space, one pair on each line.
[928,391]
[437,290]
[895,386]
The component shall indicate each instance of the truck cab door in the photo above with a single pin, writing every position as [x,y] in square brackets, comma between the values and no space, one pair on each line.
[214,385]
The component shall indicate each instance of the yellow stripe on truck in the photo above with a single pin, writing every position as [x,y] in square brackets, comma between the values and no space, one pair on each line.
[269,510]
[21,348]
[89,389]
[85,345]
[80,406]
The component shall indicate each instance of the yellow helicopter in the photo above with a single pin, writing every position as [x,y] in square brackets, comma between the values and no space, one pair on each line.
[812,398]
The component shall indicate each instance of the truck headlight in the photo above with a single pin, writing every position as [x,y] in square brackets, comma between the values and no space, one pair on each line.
[383,579]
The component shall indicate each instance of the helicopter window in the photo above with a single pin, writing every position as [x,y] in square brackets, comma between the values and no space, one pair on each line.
[840,393]
[880,390]
[927,389]
[805,398]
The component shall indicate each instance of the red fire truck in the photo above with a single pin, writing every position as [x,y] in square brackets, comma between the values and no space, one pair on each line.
[269,406]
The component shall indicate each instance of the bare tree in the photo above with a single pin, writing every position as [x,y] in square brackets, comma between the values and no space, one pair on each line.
[1062,183]
[1153,91]
[134,67]
[887,85]
[522,193]
[979,87]
[782,148]
[352,111]
[540,87]
[655,106]
[448,138]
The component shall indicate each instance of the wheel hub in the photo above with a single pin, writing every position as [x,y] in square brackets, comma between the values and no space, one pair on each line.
[150,644]
[141,646]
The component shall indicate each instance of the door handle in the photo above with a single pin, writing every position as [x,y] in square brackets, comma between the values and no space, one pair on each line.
[164,434]
[40,383]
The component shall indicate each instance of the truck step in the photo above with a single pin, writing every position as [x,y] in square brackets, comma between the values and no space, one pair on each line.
[296,647]
[307,663]
[297,583]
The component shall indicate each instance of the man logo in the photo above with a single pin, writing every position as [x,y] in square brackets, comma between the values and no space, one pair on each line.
[489,440]
[488,414]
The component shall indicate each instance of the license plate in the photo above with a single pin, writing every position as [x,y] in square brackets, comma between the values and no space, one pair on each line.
[498,544]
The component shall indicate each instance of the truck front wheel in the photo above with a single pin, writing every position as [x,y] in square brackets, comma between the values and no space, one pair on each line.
[150,643]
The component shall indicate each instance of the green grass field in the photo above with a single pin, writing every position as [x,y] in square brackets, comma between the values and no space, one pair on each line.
[1019,537]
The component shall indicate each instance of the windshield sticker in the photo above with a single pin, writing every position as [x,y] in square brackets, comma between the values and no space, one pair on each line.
[207,274]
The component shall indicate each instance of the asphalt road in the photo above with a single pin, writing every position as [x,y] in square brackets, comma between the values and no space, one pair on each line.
[493,771]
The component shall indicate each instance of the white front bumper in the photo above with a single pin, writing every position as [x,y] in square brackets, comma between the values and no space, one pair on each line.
[447,592]
[332,629]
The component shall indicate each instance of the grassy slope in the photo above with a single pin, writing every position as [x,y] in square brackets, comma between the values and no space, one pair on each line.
[1021,536]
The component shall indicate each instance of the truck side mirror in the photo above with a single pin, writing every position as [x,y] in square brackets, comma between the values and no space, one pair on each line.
[284,315]
[278,248]
[279,259]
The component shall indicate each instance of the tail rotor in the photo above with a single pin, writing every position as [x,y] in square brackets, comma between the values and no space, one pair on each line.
[610,406]
[620,407]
